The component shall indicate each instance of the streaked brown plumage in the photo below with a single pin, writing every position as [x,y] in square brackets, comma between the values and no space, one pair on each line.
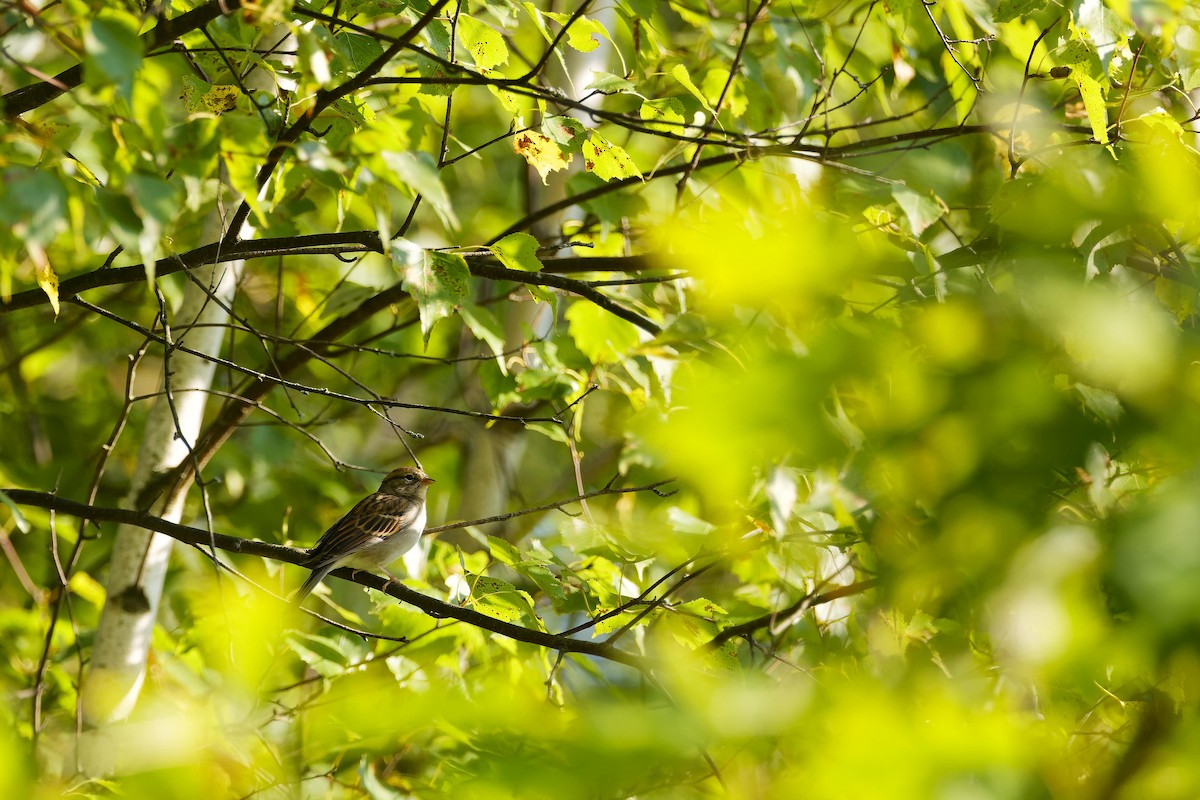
[379,529]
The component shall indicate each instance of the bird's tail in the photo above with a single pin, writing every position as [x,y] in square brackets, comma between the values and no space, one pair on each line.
[316,577]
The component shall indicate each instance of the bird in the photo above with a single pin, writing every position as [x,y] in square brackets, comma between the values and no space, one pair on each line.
[379,529]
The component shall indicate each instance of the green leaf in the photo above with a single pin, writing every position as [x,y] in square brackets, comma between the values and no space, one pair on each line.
[439,282]
[324,655]
[702,607]
[607,83]
[663,115]
[483,42]
[680,73]
[1076,52]
[241,136]
[549,583]
[600,335]
[548,429]
[436,73]
[118,212]
[713,85]
[921,210]
[486,328]
[34,204]
[112,50]
[356,50]
[564,130]
[201,97]
[518,251]
[1104,404]
[503,551]
[1008,10]
[500,599]
[155,197]
[419,171]
[584,34]
[439,40]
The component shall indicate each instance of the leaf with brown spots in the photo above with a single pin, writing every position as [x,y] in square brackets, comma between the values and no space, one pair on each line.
[541,152]
[438,282]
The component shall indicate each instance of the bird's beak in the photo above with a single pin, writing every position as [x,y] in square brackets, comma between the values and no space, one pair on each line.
[427,480]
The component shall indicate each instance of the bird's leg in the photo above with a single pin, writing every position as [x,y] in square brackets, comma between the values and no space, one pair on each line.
[391,576]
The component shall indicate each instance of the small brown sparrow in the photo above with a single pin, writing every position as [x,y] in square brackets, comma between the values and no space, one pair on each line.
[377,531]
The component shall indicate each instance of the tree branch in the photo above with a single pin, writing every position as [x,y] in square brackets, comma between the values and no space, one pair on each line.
[294,555]
[27,98]
[800,606]
[320,244]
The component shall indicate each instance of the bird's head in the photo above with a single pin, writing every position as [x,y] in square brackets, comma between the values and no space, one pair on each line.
[405,480]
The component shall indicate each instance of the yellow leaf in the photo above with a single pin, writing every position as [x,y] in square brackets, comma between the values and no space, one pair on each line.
[1093,103]
[199,96]
[961,88]
[541,152]
[47,279]
[608,161]
[88,588]
[583,33]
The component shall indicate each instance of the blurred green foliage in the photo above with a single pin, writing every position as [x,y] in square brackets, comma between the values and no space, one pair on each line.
[924,380]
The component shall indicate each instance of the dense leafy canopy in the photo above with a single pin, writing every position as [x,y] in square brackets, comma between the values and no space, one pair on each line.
[855,340]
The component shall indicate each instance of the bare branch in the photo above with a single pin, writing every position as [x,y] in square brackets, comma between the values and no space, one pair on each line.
[294,555]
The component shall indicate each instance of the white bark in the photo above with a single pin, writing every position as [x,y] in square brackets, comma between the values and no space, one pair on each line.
[139,560]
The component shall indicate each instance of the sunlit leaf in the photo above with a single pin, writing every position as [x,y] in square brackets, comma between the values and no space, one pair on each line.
[47,279]
[714,86]
[680,73]
[541,152]
[518,251]
[663,115]
[607,160]
[483,42]
[1093,101]
[601,336]
[608,83]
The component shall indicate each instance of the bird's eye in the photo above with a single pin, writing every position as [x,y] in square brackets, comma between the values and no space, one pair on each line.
[409,478]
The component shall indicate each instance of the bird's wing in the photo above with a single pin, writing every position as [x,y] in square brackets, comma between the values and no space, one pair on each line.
[376,516]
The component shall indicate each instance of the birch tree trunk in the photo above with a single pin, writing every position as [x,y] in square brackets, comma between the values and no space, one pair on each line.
[139,560]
